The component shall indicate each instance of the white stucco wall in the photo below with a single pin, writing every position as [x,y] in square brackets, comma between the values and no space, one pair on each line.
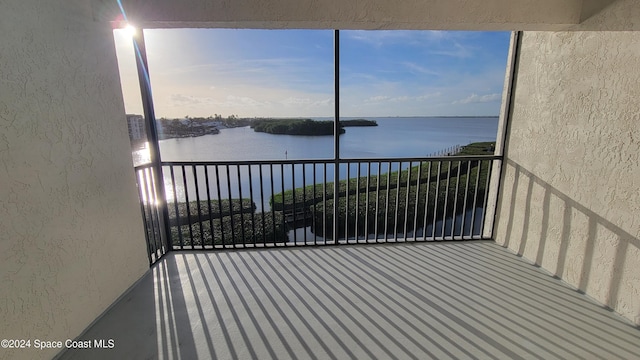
[71,237]
[570,200]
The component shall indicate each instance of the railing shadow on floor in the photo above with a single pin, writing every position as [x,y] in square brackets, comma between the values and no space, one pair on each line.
[430,300]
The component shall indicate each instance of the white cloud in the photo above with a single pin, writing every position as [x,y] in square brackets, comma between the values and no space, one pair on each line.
[233,100]
[458,51]
[324,102]
[400,99]
[377,99]
[379,38]
[187,100]
[427,96]
[294,101]
[420,69]
[181,100]
[475,98]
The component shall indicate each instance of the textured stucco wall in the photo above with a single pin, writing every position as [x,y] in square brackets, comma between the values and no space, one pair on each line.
[71,238]
[570,200]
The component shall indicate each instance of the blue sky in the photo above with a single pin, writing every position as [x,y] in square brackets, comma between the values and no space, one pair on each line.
[287,73]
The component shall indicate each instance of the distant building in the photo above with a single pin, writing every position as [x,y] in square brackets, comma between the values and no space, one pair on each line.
[137,132]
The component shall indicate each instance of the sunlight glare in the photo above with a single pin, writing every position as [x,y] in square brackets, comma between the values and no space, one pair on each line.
[130,30]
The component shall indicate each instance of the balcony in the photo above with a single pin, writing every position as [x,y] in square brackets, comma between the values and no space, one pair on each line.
[297,289]
[441,300]
[73,241]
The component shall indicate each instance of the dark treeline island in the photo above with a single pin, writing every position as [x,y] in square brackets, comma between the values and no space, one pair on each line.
[199,126]
[305,127]
[358,122]
[215,221]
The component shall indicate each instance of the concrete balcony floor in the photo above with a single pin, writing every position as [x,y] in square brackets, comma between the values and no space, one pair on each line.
[428,300]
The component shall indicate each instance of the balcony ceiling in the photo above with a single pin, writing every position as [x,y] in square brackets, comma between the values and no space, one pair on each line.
[361,14]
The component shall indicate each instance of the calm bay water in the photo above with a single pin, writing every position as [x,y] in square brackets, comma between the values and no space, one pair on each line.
[393,137]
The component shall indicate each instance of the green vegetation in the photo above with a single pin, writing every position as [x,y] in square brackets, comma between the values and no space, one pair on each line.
[429,194]
[429,177]
[218,209]
[198,126]
[478,148]
[358,122]
[239,230]
[360,185]
[306,127]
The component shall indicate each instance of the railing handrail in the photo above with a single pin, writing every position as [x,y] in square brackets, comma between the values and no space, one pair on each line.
[331,161]
[143,166]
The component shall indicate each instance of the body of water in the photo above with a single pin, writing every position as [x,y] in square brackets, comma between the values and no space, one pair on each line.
[393,137]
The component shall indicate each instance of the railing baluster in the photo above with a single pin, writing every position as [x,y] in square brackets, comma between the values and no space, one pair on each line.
[206,179]
[475,199]
[195,180]
[324,204]
[416,208]
[446,200]
[242,231]
[406,202]
[357,201]
[253,217]
[315,196]
[273,206]
[264,239]
[377,200]
[455,204]
[386,210]
[295,207]
[141,185]
[150,210]
[486,198]
[395,221]
[175,204]
[160,202]
[426,203]
[366,207]
[233,227]
[154,197]
[154,210]
[435,201]
[186,198]
[466,193]
[220,215]
[304,202]
[284,220]
[346,205]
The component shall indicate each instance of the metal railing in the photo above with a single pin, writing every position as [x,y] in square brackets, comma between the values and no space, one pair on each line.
[243,204]
[150,202]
